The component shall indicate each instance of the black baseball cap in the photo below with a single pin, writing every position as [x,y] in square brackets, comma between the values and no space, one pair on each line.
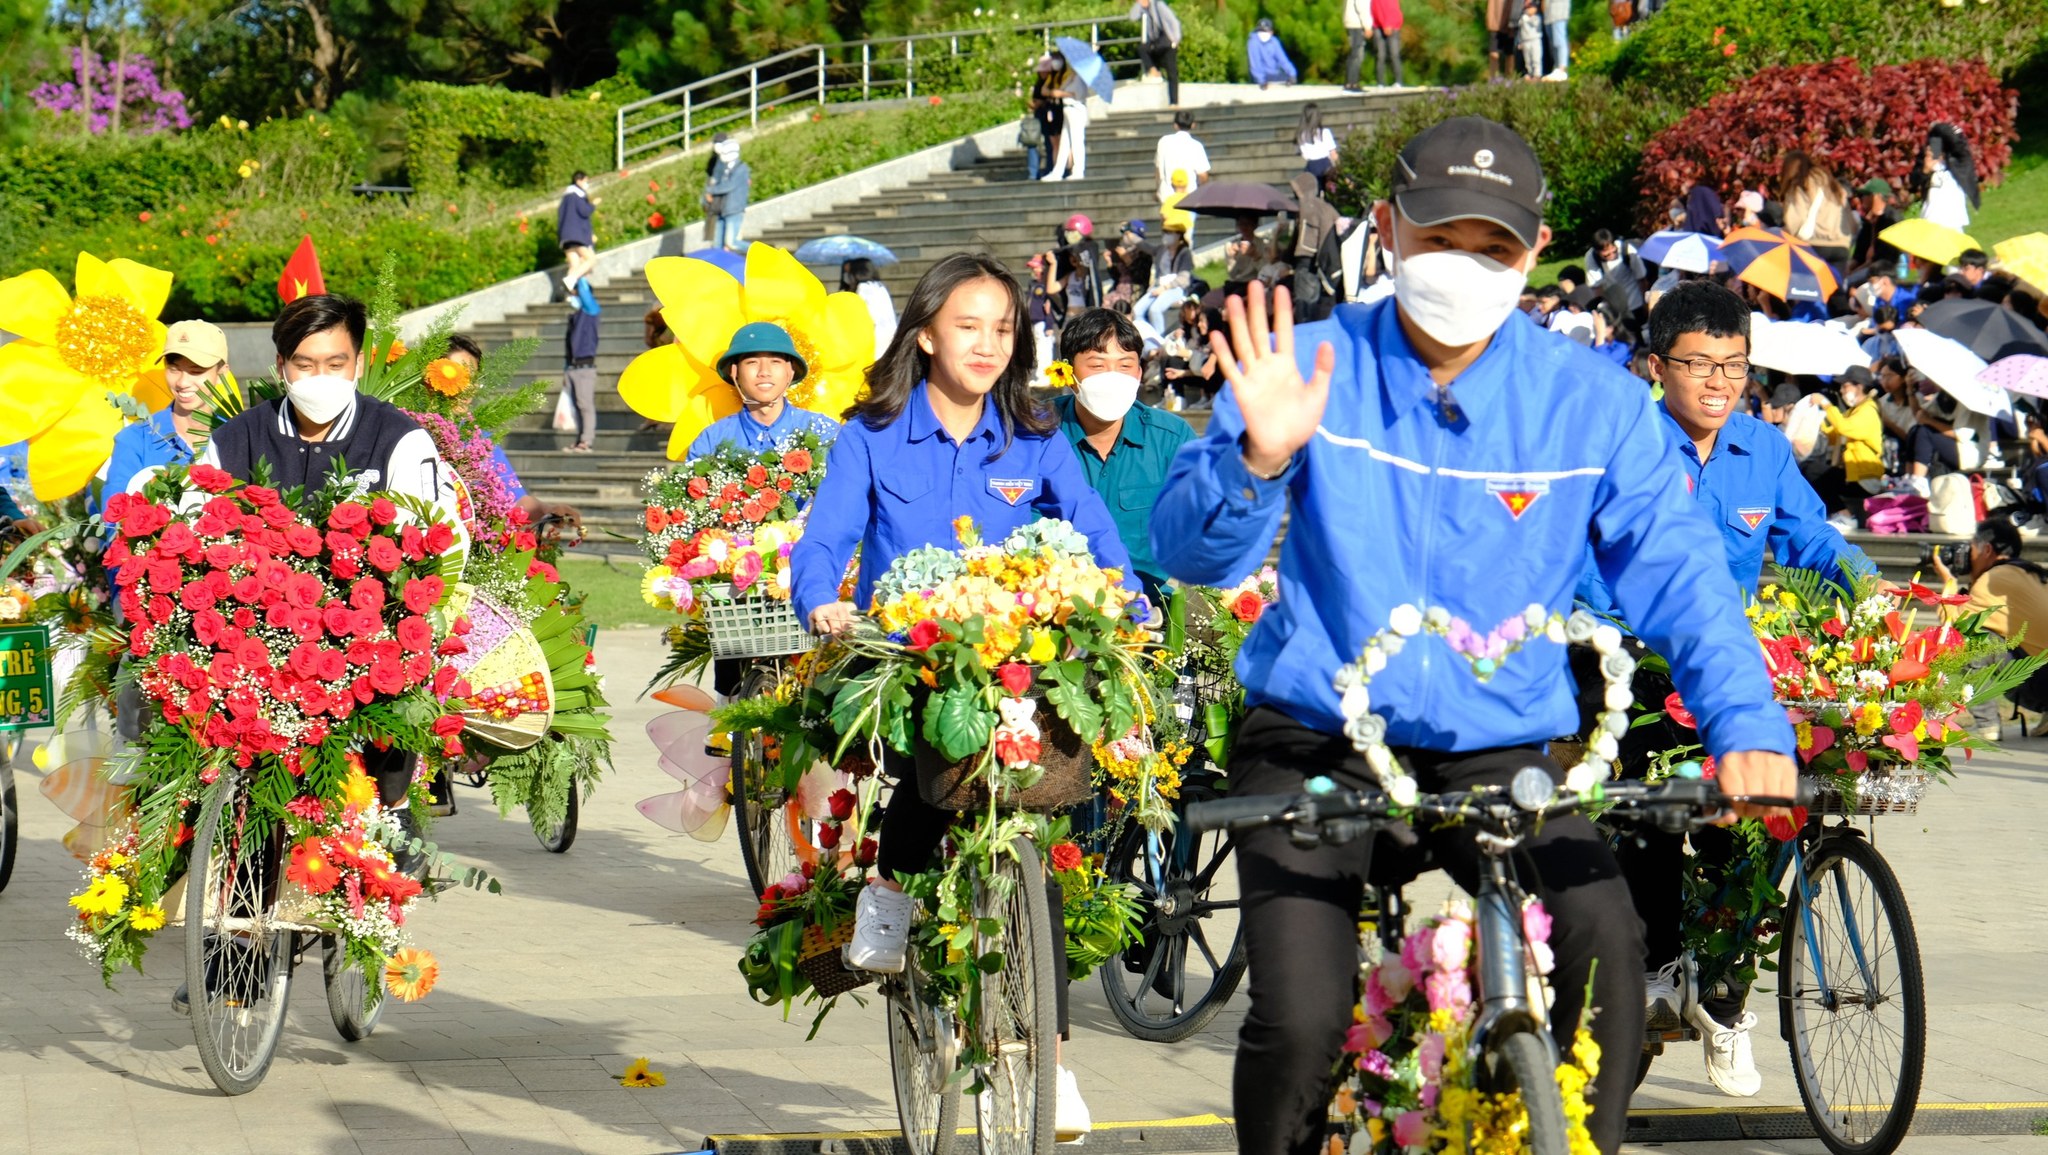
[1469,166]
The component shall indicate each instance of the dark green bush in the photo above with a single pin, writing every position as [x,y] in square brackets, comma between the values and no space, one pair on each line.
[477,134]
[1696,48]
[1592,174]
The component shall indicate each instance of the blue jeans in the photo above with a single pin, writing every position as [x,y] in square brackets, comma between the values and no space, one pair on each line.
[726,235]
[1560,44]
[1031,165]
[1155,306]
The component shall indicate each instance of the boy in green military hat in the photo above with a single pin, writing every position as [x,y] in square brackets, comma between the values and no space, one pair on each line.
[762,363]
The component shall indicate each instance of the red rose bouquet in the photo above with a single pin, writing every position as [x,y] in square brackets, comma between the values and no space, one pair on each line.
[279,634]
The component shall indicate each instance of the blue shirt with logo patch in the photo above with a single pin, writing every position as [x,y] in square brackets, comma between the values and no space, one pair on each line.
[1750,487]
[1391,505]
[746,431]
[894,489]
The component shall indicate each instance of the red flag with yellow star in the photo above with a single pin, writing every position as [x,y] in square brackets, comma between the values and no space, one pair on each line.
[301,276]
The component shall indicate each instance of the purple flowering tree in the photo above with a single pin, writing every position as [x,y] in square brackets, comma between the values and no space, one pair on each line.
[124,97]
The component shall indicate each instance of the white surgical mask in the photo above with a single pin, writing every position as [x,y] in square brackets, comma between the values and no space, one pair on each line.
[320,398]
[1457,298]
[1107,396]
[1265,36]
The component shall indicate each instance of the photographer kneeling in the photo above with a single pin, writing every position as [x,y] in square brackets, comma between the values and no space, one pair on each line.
[2011,593]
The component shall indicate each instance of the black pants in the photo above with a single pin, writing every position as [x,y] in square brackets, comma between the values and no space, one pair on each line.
[1166,58]
[1300,910]
[1926,445]
[392,770]
[1387,49]
[1651,860]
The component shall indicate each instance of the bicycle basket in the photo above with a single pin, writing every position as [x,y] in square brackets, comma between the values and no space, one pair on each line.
[819,961]
[1063,756]
[1877,792]
[755,627]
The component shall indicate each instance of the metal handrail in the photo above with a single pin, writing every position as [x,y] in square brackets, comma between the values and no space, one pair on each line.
[814,80]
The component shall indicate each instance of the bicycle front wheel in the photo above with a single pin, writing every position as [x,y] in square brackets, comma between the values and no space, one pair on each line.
[1019,1008]
[10,820]
[767,842]
[924,1045]
[348,993]
[1190,953]
[238,961]
[558,837]
[1853,998]
[1521,1063]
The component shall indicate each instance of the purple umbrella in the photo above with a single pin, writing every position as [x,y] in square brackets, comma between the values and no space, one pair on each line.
[2024,373]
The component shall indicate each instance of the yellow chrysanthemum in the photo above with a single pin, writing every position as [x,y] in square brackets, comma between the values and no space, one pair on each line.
[639,1074]
[358,789]
[704,306]
[149,916]
[73,351]
[106,895]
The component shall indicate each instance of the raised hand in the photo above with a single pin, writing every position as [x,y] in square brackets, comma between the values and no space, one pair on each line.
[1281,411]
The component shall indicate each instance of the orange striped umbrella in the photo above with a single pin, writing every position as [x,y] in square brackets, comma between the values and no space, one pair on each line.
[1785,267]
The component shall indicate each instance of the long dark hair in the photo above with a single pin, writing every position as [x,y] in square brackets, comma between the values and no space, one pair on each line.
[1311,126]
[903,364]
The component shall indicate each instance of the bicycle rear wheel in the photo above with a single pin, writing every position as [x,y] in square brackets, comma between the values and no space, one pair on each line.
[1019,1008]
[10,819]
[1853,998]
[924,1046]
[1520,1062]
[347,992]
[238,962]
[1190,958]
[767,843]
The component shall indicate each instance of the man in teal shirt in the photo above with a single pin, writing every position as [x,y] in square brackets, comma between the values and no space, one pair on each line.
[1125,448]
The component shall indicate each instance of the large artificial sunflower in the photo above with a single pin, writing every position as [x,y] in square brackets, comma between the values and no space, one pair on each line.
[704,306]
[74,350]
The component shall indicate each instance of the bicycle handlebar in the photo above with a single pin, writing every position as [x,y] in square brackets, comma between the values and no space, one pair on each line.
[1684,801]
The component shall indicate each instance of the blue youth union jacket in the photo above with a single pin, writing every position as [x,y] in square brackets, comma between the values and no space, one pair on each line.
[1391,507]
[1752,491]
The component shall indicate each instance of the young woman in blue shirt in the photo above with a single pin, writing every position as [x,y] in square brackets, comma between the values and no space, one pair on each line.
[948,429]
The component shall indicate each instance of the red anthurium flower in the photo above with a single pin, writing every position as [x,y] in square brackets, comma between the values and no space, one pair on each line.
[1675,708]
[1786,829]
[1834,627]
[1907,745]
[1907,669]
[1820,740]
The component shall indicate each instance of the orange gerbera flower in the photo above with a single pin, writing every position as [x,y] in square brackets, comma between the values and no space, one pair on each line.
[448,378]
[396,351]
[410,974]
[311,869]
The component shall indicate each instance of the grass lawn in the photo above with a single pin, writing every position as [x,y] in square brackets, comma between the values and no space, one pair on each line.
[613,586]
[2020,205]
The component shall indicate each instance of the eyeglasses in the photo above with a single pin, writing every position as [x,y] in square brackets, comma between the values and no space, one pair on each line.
[1704,367]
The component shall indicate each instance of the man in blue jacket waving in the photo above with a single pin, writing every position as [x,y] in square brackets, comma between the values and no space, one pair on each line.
[1445,453]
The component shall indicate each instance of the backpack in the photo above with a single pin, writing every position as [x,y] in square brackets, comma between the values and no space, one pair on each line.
[1030,133]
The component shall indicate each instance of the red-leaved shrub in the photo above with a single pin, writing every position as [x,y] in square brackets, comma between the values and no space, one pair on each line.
[1859,125]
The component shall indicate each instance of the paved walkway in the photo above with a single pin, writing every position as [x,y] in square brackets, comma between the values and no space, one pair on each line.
[625,947]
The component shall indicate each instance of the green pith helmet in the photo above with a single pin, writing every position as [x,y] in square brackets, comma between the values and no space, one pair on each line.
[761,337]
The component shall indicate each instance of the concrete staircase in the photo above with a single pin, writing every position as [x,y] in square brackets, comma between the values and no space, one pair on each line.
[986,206]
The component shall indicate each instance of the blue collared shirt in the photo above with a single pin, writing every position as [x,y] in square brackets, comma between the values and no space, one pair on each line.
[1751,489]
[13,477]
[1390,506]
[894,489]
[151,444]
[747,431]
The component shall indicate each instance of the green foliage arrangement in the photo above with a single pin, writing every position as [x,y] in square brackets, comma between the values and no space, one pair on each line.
[1592,175]
[1693,49]
[532,140]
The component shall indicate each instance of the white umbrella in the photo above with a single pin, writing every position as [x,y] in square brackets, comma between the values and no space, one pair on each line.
[1951,365]
[1803,347]
[1687,252]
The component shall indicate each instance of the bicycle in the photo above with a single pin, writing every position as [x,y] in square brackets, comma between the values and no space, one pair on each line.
[10,815]
[1511,1041]
[1852,997]
[242,942]
[1009,1034]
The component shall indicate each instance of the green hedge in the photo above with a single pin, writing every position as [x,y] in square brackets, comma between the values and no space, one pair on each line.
[1685,50]
[1592,175]
[521,140]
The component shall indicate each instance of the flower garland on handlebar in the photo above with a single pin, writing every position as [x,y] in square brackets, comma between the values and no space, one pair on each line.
[274,635]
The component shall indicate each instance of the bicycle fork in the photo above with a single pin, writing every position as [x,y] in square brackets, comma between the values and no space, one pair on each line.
[1510,1001]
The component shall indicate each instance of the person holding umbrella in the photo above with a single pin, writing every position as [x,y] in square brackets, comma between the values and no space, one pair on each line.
[1070,158]
[1948,178]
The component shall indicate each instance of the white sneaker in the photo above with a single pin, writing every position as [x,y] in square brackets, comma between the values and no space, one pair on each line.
[1661,999]
[1730,1064]
[881,931]
[1070,1120]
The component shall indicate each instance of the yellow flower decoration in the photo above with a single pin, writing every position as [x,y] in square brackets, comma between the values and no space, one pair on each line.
[358,789]
[1059,375]
[704,306]
[640,1075]
[411,973]
[448,378]
[155,393]
[149,916]
[106,895]
[73,352]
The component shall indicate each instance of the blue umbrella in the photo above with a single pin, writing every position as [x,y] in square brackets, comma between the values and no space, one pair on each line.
[841,247]
[1087,64]
[1671,249]
[731,262]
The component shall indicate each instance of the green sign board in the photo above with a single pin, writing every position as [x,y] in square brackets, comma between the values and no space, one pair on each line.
[26,697]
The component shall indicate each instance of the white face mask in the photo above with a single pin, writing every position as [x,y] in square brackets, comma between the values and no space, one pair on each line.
[1107,396]
[320,398]
[1457,298]
[1265,36]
